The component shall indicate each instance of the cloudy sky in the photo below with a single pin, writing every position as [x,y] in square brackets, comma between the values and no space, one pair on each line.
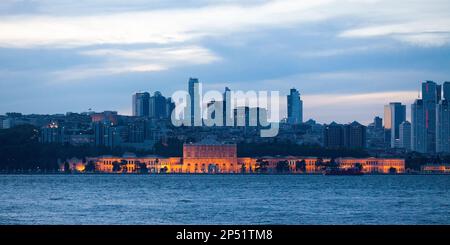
[348,57]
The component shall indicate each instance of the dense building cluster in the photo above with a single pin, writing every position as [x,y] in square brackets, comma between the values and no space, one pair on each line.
[429,129]
[150,123]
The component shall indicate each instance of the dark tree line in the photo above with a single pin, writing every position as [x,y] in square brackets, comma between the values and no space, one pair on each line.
[20,150]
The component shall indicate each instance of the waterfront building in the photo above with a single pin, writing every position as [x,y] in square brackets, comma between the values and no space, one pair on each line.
[294,107]
[130,163]
[209,156]
[210,159]
[374,165]
[436,168]
[140,104]
[74,165]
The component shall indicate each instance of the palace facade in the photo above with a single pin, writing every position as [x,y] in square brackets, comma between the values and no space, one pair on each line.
[436,168]
[215,158]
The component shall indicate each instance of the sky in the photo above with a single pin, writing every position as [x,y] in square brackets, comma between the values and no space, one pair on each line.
[347,58]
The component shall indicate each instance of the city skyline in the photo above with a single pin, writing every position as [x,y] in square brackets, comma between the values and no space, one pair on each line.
[334,53]
[147,96]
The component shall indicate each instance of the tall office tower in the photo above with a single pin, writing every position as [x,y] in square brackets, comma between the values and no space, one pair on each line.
[294,107]
[443,126]
[418,133]
[170,106]
[157,106]
[195,103]
[446,89]
[431,95]
[241,116]
[211,109]
[140,104]
[354,135]
[394,114]
[378,123]
[228,112]
[405,135]
[387,126]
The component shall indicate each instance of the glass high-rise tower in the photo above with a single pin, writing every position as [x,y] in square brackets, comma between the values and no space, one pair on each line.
[394,115]
[140,104]
[294,107]
[194,102]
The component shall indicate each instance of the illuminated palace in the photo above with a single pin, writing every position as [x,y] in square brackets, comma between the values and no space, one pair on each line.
[215,158]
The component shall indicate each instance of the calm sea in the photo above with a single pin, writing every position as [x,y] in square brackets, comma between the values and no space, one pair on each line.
[224,199]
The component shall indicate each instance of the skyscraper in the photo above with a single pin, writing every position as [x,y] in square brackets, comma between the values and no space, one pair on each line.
[418,139]
[431,95]
[405,135]
[195,103]
[228,112]
[140,104]
[443,125]
[170,106]
[378,123]
[446,89]
[387,117]
[158,106]
[394,115]
[387,126]
[294,107]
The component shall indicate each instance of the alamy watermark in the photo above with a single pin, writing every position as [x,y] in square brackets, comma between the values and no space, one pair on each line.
[228,109]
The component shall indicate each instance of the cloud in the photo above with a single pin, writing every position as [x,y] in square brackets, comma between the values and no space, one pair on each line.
[323,53]
[168,56]
[417,22]
[423,33]
[360,99]
[359,106]
[155,26]
[118,61]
